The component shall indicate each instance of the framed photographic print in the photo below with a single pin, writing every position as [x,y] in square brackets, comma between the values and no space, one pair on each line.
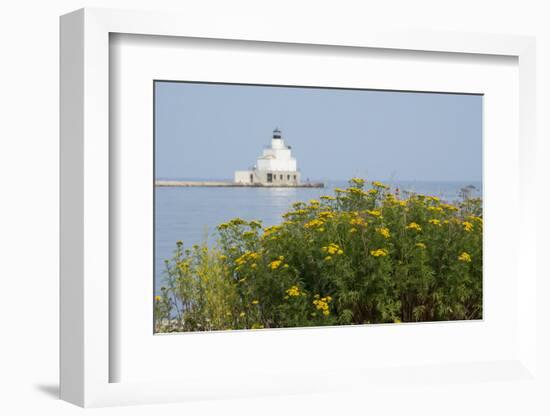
[277,210]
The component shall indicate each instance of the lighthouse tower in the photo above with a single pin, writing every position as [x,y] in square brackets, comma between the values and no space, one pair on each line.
[275,167]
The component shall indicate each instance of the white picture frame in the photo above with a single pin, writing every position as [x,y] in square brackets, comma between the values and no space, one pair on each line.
[87,355]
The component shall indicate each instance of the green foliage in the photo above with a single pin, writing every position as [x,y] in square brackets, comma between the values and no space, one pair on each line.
[361,256]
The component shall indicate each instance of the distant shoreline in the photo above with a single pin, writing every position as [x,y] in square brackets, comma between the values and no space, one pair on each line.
[227,184]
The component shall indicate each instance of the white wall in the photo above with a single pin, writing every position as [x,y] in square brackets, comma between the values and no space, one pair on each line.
[29,207]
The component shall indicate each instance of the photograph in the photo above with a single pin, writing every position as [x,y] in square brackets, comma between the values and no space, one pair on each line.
[300,206]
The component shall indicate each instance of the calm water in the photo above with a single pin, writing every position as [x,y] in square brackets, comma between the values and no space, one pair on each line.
[191,214]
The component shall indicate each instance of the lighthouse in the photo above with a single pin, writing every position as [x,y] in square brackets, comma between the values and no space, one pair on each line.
[274,167]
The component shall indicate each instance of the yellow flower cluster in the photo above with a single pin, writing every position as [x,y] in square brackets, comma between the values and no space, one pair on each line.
[322,304]
[233,222]
[271,230]
[436,209]
[468,226]
[183,266]
[414,226]
[249,255]
[255,224]
[358,181]
[380,185]
[465,257]
[356,191]
[275,264]
[326,215]
[328,198]
[449,207]
[479,220]
[315,223]
[435,221]
[293,291]
[381,252]
[374,213]
[296,213]
[357,221]
[332,248]
[384,232]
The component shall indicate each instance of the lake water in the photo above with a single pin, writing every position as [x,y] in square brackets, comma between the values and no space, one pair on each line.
[191,214]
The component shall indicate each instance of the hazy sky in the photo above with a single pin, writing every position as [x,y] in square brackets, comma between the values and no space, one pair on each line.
[206,131]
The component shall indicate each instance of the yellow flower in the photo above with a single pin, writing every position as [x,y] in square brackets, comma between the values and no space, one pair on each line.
[449,207]
[435,221]
[374,213]
[158,298]
[357,221]
[353,230]
[242,314]
[255,302]
[314,202]
[479,220]
[465,257]
[314,223]
[326,214]
[358,181]
[322,304]
[328,258]
[380,185]
[293,291]
[332,248]
[249,255]
[384,232]
[468,226]
[420,245]
[275,264]
[381,252]
[356,191]
[414,226]
[328,198]
[271,230]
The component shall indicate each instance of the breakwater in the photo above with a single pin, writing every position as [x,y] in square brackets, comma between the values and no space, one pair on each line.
[221,184]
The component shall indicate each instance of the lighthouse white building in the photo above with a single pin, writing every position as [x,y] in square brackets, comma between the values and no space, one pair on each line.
[275,167]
